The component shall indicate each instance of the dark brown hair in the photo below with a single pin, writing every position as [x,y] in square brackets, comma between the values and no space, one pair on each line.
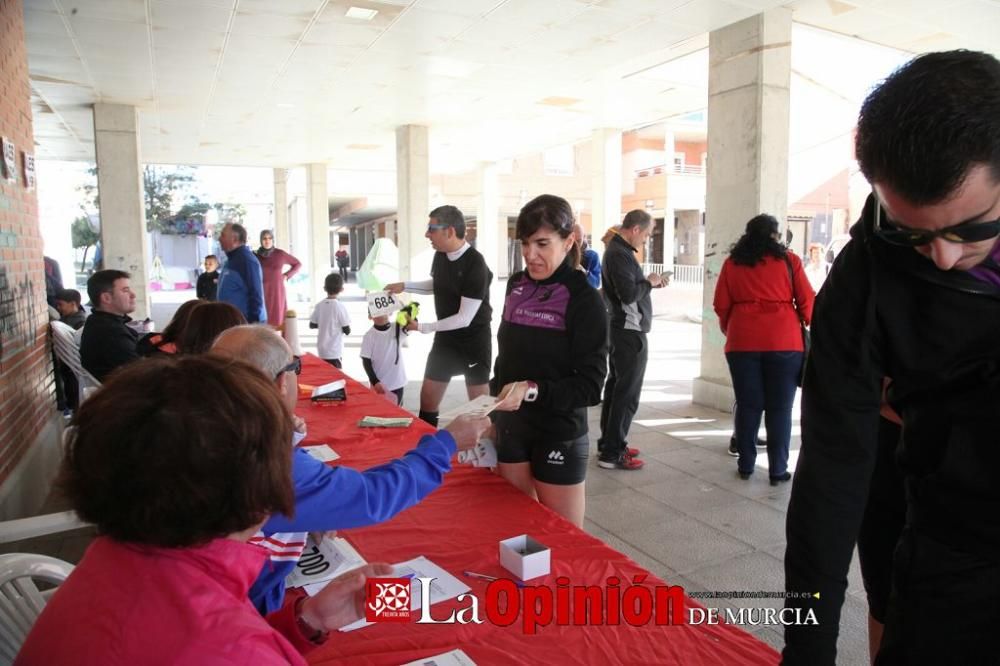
[178,323]
[550,211]
[204,325]
[175,452]
[103,282]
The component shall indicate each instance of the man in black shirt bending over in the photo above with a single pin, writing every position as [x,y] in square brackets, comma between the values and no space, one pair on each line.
[460,281]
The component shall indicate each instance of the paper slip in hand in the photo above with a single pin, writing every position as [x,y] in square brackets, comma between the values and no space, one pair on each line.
[321,452]
[453,658]
[385,422]
[319,564]
[480,406]
[444,587]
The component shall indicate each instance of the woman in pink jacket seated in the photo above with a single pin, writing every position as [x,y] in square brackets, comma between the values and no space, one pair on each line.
[178,462]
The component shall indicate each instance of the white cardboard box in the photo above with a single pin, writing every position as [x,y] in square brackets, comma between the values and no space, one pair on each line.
[524,557]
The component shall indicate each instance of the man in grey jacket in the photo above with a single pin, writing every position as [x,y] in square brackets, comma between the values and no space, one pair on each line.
[626,290]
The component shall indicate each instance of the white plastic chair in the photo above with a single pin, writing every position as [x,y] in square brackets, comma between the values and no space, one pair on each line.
[21,602]
[67,347]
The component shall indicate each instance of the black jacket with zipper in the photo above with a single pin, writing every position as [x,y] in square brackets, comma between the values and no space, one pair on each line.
[886,310]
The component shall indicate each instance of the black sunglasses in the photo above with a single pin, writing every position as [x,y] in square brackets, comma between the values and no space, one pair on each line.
[966,232]
[295,366]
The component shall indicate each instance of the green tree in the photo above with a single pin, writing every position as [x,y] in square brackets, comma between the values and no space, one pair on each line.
[159,185]
[84,236]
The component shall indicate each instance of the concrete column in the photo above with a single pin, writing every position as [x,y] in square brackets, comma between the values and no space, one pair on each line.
[355,247]
[668,206]
[282,230]
[748,93]
[318,203]
[123,211]
[606,183]
[413,201]
[488,230]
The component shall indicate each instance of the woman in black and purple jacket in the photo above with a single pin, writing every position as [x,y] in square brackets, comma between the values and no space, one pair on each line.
[551,362]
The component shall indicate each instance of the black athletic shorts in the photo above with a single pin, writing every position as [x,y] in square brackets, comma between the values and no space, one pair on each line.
[470,357]
[561,463]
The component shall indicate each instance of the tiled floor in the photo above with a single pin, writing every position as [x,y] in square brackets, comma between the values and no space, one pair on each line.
[685,516]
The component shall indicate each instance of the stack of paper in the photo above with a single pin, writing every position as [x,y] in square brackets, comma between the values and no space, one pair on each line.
[334,391]
[321,452]
[385,422]
[319,564]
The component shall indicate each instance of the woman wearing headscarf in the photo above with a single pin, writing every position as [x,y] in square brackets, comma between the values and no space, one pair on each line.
[272,264]
[760,298]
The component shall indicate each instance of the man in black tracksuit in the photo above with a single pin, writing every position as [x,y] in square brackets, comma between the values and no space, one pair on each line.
[626,290]
[915,295]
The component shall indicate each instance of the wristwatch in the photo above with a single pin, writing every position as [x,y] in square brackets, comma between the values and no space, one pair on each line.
[309,632]
[532,393]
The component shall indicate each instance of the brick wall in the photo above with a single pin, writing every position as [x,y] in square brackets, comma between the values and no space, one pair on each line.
[26,389]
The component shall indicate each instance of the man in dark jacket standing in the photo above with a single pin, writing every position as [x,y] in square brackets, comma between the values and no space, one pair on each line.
[626,290]
[915,295]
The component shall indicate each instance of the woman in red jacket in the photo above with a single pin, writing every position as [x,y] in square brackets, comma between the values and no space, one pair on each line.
[761,295]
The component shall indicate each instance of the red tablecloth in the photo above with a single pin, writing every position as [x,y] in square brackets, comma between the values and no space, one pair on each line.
[458,527]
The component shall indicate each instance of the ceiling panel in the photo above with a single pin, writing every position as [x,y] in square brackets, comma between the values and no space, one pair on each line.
[177,44]
[133,11]
[269,25]
[299,8]
[598,22]
[60,47]
[704,14]
[494,32]
[529,12]
[431,25]
[42,19]
[467,7]
[190,17]
[345,34]
[100,36]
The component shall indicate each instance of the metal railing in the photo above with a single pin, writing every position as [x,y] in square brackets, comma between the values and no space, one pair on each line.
[683,273]
[682,169]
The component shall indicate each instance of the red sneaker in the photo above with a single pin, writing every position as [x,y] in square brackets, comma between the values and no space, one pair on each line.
[625,461]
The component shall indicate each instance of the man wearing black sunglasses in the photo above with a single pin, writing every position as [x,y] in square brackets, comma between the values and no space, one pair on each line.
[463,342]
[915,295]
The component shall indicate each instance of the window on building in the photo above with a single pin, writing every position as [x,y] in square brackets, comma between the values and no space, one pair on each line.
[679,162]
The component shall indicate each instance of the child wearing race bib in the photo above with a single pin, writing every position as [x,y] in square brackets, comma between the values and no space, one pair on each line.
[381,355]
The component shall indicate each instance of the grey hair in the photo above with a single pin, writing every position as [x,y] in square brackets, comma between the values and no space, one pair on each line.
[258,345]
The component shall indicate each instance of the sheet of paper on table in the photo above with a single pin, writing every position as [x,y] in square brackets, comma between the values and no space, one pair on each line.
[445,585]
[453,658]
[319,564]
[480,406]
[321,452]
[385,422]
